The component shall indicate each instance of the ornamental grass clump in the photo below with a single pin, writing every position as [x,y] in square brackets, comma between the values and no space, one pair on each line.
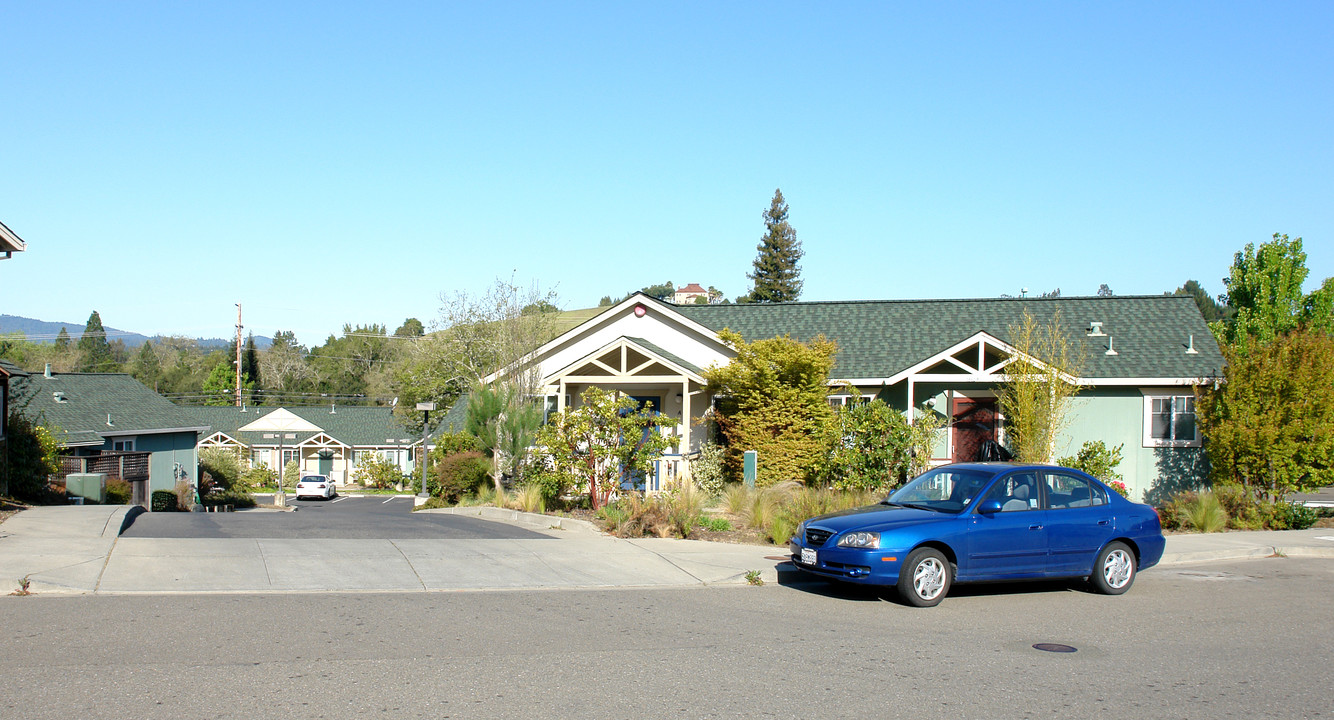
[1206,514]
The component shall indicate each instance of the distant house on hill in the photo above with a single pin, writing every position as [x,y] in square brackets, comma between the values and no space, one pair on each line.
[686,295]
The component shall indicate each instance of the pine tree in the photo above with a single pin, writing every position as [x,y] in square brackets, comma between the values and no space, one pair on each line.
[777,275]
[62,340]
[250,366]
[94,350]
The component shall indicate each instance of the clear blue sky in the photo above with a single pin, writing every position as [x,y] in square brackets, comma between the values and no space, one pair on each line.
[328,162]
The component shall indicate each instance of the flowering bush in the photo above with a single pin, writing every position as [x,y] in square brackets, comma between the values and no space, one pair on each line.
[1120,487]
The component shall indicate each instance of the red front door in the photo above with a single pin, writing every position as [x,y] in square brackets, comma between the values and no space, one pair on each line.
[974,422]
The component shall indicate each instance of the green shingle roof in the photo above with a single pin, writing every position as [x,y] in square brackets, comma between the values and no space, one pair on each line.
[91,406]
[878,339]
[355,426]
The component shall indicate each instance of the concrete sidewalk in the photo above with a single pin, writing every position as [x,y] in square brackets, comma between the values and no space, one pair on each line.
[64,550]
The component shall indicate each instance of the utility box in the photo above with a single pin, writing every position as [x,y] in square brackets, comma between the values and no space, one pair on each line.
[89,486]
[750,464]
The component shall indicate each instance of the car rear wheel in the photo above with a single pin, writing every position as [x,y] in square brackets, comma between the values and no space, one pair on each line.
[1114,572]
[925,578]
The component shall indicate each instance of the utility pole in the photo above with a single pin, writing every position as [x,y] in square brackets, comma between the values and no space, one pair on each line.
[238,354]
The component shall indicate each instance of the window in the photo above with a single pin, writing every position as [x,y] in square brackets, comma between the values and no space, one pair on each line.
[1016,492]
[289,456]
[1169,421]
[123,445]
[1068,491]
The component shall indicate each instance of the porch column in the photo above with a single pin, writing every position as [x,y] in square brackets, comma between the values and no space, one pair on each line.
[560,396]
[685,417]
[912,401]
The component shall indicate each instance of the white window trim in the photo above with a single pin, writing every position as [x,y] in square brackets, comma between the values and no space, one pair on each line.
[1149,440]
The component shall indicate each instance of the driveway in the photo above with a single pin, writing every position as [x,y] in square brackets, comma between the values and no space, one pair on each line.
[343,518]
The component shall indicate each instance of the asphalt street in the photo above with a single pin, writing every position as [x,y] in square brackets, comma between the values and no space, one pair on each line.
[1243,639]
[342,518]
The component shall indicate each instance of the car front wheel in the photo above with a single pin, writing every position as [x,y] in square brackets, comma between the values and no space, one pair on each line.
[1114,572]
[925,578]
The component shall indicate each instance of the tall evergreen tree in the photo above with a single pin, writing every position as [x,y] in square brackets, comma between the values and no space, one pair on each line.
[147,366]
[1210,308]
[777,275]
[250,367]
[94,350]
[62,340]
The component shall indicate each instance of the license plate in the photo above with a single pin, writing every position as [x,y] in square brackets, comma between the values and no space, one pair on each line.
[808,556]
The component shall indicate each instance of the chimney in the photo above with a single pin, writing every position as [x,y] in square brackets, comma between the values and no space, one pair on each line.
[48,374]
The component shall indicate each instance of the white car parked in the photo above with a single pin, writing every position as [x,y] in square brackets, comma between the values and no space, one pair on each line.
[315,486]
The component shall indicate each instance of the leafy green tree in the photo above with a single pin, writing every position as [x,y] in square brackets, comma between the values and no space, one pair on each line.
[1035,399]
[94,350]
[219,387]
[1265,288]
[603,441]
[1104,290]
[777,275]
[62,339]
[1211,309]
[411,327]
[874,447]
[1269,427]
[480,336]
[1096,459]
[31,452]
[773,398]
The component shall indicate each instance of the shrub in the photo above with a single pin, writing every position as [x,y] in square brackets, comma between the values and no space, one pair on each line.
[1096,459]
[431,504]
[223,464]
[1172,514]
[553,485]
[375,471]
[707,470]
[291,474]
[714,524]
[185,495]
[1244,511]
[459,474]
[118,492]
[1206,514]
[256,477]
[163,501]
[238,498]
[1294,516]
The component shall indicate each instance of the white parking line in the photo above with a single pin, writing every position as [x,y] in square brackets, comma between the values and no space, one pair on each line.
[340,498]
[389,500]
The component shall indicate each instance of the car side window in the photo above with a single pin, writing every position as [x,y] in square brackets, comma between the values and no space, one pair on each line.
[1069,491]
[1016,492]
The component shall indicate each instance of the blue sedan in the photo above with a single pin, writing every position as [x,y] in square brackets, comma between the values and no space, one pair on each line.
[981,522]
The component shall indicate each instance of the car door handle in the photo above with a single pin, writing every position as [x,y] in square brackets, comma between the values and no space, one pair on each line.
[1104,522]
[1034,527]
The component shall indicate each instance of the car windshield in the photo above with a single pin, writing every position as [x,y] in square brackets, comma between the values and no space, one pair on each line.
[944,490]
[312,479]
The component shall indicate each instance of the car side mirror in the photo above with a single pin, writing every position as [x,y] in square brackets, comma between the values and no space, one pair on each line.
[990,507]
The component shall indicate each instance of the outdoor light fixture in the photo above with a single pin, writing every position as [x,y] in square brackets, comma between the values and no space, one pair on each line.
[640,311]
[426,408]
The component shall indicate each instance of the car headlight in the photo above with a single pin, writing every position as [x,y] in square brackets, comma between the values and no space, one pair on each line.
[860,539]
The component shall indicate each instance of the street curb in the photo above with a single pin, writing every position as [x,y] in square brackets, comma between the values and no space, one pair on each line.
[1244,553]
[535,521]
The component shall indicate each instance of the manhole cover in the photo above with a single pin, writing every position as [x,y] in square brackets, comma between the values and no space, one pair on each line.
[1054,647]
